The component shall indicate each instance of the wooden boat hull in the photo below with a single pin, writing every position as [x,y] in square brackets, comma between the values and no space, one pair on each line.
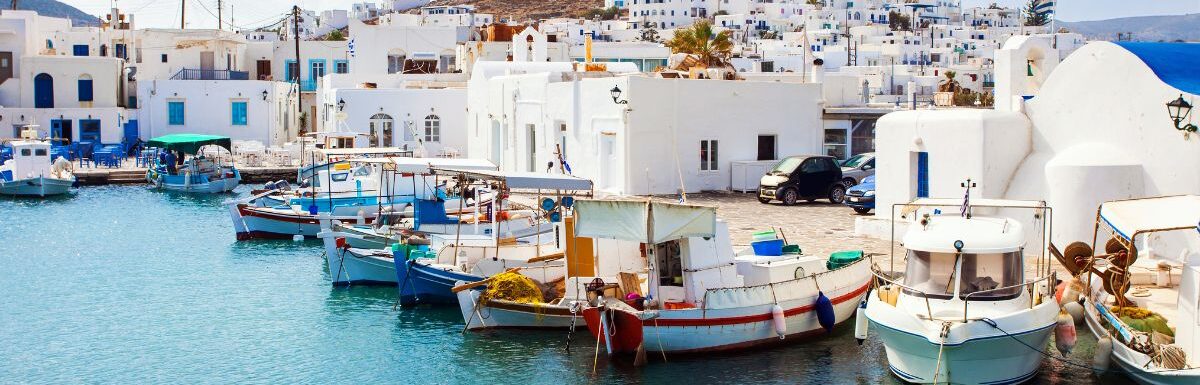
[36,187]
[358,267]
[251,222]
[706,330]
[215,186]
[1134,364]
[422,282]
[507,314]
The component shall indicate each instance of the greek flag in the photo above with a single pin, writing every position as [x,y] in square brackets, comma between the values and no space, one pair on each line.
[350,47]
[1045,8]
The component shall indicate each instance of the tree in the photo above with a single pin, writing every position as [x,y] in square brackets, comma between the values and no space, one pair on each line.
[650,35]
[1033,16]
[609,13]
[950,85]
[335,35]
[714,49]
[818,3]
[898,21]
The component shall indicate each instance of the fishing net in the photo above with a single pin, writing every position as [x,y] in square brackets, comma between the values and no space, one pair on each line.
[1143,320]
[512,286]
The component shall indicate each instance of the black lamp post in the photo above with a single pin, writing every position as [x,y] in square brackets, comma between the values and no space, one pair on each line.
[1179,110]
[616,95]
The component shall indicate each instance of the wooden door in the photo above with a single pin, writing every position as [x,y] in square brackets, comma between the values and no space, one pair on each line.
[6,66]
[264,69]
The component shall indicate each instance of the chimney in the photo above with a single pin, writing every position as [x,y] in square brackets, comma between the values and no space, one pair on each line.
[818,70]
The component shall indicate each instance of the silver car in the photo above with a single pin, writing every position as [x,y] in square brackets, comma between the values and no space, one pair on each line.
[857,168]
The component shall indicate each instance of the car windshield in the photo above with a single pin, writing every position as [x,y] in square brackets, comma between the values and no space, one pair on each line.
[786,166]
[855,161]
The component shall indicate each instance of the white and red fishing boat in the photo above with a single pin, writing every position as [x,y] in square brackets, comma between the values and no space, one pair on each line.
[701,297]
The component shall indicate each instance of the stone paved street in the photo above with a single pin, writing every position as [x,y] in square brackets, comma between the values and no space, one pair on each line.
[818,227]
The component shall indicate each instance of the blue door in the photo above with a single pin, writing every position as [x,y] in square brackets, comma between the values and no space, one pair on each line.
[922,174]
[131,131]
[43,91]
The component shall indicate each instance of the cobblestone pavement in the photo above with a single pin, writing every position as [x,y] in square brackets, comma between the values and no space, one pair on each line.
[818,227]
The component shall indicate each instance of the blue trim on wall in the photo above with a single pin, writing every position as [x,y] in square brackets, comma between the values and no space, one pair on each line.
[312,74]
[1173,63]
[335,66]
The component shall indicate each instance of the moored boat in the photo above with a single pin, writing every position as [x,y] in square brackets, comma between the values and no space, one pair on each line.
[697,301]
[1155,339]
[30,171]
[195,174]
[964,312]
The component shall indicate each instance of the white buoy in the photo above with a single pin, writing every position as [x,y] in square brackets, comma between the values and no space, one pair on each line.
[778,319]
[297,238]
[860,322]
[1103,355]
[1064,333]
[1075,310]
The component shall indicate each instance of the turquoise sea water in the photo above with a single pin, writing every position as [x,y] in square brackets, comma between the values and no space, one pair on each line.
[127,285]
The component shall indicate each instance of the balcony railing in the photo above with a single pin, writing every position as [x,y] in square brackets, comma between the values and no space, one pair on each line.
[201,74]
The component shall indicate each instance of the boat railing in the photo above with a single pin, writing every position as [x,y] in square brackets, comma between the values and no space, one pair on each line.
[928,308]
[967,297]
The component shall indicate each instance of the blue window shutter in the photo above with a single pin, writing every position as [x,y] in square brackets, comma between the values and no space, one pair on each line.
[80,50]
[85,90]
[922,174]
[238,113]
[175,113]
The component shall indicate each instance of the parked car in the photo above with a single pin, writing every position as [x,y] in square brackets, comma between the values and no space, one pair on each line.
[861,197]
[857,168]
[808,177]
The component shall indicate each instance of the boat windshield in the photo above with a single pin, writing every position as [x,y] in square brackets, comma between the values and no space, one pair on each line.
[855,161]
[934,274]
[786,166]
[930,273]
[982,272]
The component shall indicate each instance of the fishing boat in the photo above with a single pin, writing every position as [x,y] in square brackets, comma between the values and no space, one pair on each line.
[1152,321]
[30,171]
[489,305]
[426,278]
[696,300]
[349,192]
[964,312]
[197,173]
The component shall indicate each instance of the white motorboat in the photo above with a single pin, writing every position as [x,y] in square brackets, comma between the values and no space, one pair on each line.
[197,174]
[30,172]
[965,313]
[1152,319]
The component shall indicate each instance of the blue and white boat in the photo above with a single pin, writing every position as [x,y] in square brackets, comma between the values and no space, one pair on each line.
[197,174]
[30,171]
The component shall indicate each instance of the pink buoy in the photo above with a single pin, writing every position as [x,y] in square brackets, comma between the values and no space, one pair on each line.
[778,319]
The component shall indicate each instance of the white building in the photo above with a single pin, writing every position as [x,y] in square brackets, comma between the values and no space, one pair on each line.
[635,134]
[256,110]
[1090,129]
[420,112]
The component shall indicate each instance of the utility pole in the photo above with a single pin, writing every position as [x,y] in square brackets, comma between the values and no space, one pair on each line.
[296,35]
[182,11]
[220,18]
[14,5]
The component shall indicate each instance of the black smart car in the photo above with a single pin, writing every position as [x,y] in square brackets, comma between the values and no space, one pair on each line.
[808,177]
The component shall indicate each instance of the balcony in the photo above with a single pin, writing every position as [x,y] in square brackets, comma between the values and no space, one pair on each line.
[201,74]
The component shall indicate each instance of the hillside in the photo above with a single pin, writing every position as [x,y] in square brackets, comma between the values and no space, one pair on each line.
[56,9]
[1144,28]
[522,10]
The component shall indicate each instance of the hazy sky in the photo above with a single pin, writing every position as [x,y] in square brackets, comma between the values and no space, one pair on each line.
[254,13]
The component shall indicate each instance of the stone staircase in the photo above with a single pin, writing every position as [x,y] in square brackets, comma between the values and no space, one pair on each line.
[127,176]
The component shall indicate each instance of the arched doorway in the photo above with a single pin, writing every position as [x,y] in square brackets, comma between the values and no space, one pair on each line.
[381,130]
[43,91]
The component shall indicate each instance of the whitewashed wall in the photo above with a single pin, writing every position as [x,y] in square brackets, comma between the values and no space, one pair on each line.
[207,109]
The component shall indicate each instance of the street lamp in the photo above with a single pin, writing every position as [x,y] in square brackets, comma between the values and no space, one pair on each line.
[341,104]
[1179,110]
[616,94]
[265,94]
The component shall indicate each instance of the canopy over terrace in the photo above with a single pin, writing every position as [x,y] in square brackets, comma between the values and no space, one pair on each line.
[189,143]
[429,165]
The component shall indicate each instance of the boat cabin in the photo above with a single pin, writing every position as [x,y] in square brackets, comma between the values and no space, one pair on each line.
[29,159]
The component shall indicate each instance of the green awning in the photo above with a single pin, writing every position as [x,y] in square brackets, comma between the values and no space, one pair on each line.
[189,143]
